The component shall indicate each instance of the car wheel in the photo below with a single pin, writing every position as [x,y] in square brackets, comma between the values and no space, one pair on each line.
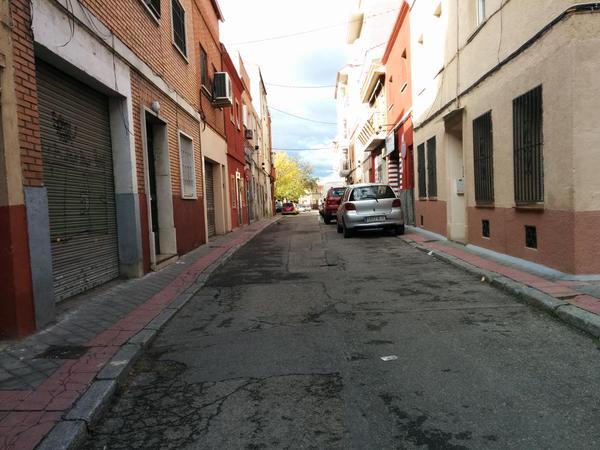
[347,231]
[339,228]
[327,220]
[400,230]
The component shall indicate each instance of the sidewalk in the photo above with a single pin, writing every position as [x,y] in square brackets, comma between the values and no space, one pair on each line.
[573,301]
[80,359]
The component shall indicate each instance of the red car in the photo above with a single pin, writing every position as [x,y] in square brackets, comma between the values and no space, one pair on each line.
[332,202]
[289,208]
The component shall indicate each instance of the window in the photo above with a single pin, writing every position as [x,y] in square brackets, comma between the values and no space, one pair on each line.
[153,6]
[188,166]
[528,147]
[530,236]
[204,78]
[483,156]
[372,193]
[431,168]
[178,15]
[421,170]
[480,11]
[485,228]
[237,114]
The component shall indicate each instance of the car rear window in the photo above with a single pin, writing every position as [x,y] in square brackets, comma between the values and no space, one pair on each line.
[338,192]
[287,205]
[372,192]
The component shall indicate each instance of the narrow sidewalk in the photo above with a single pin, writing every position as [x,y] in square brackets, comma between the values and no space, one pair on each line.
[80,359]
[575,302]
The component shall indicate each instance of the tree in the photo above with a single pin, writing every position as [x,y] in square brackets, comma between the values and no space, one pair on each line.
[294,177]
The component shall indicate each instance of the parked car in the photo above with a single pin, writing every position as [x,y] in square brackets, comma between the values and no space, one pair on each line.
[370,205]
[321,207]
[278,205]
[289,208]
[331,203]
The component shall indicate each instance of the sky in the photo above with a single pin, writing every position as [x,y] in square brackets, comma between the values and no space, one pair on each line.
[308,59]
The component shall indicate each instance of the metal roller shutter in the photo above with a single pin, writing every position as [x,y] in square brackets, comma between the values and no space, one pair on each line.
[210,198]
[78,174]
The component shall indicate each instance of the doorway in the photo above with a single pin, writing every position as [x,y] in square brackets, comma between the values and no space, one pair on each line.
[457,205]
[163,245]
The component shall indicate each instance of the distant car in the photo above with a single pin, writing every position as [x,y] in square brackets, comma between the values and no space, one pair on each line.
[367,206]
[289,208]
[278,205]
[331,203]
[321,207]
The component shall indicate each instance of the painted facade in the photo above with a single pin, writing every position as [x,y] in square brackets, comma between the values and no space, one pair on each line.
[503,109]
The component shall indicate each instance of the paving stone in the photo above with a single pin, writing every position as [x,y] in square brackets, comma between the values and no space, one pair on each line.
[119,365]
[91,404]
[143,338]
[65,435]
[158,322]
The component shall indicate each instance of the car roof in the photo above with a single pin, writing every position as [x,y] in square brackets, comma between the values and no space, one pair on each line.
[352,186]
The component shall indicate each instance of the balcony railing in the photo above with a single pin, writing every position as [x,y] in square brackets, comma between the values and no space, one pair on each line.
[373,131]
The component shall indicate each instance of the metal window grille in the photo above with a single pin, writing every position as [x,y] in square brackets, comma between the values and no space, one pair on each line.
[421,170]
[431,168]
[188,172]
[530,236]
[483,154]
[154,6]
[179,25]
[485,228]
[528,144]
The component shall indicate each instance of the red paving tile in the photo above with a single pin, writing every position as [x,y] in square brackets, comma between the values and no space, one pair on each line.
[586,302]
[27,416]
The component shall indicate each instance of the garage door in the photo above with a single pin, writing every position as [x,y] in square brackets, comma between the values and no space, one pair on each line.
[210,198]
[78,174]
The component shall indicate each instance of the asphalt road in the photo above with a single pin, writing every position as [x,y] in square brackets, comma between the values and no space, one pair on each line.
[283,348]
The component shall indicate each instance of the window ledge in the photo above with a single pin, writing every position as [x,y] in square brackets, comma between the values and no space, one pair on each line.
[152,14]
[530,206]
[485,205]
[189,197]
[204,90]
[183,55]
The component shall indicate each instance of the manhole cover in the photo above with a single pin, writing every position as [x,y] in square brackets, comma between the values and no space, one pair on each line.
[64,352]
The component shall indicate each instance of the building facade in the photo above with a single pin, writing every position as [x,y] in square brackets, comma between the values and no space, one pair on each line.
[503,108]
[108,123]
[235,148]
[399,141]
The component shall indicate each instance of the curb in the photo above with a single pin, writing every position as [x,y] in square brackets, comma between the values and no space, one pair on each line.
[576,317]
[72,430]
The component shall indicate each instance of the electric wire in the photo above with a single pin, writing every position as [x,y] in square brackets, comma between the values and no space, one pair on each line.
[301,118]
[313,30]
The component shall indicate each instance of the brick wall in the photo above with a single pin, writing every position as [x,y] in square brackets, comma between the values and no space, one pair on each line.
[205,24]
[151,40]
[144,94]
[26,91]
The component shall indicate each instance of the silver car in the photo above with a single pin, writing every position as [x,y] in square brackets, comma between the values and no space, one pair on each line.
[371,205]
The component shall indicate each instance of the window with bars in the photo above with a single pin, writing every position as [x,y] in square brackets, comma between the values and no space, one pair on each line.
[188,166]
[431,168]
[483,155]
[153,6]
[421,170]
[204,79]
[528,147]
[178,14]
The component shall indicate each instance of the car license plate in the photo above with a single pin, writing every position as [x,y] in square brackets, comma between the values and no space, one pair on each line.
[375,219]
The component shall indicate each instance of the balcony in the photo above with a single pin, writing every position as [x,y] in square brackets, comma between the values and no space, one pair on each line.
[345,169]
[373,131]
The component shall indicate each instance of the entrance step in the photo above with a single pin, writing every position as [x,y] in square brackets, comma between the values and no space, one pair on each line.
[163,261]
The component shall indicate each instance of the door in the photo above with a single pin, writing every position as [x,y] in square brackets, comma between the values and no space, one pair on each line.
[238,193]
[78,176]
[210,198]
[151,158]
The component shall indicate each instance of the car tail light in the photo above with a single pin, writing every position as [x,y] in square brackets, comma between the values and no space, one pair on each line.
[396,203]
[350,207]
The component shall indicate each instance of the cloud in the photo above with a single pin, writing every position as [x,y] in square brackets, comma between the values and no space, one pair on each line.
[306,59]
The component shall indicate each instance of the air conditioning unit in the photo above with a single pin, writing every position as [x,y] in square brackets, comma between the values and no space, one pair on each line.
[222,91]
[248,134]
